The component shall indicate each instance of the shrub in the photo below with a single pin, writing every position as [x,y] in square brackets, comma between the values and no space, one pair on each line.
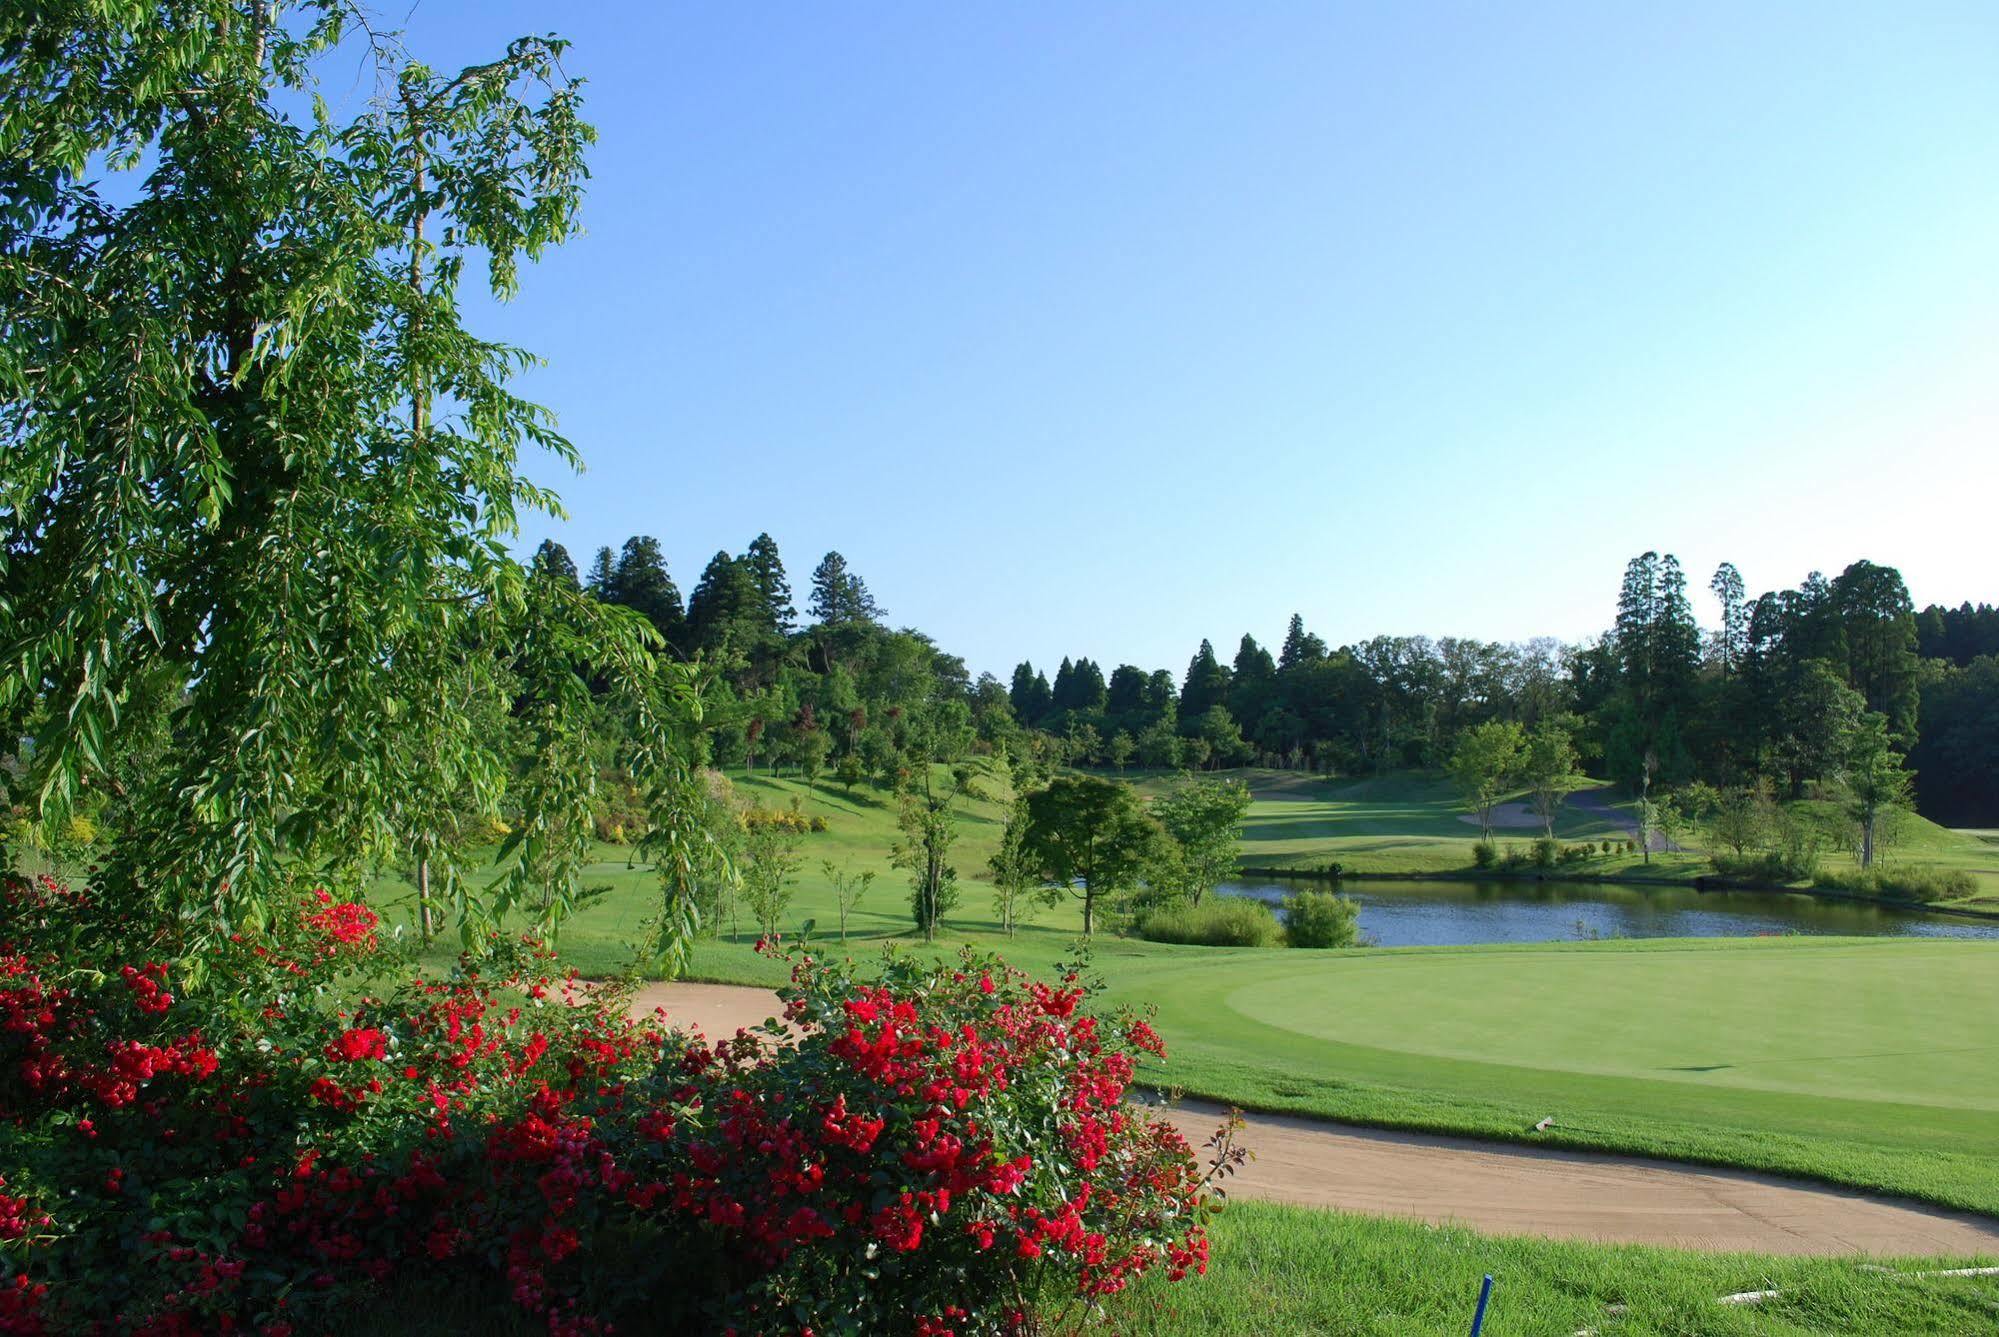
[1578,853]
[256,1156]
[1484,854]
[1320,919]
[1546,851]
[1779,866]
[1901,882]
[1218,921]
[780,819]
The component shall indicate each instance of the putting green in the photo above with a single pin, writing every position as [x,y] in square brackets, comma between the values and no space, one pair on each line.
[1906,1021]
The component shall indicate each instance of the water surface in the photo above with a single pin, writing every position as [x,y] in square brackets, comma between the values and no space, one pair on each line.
[1411,914]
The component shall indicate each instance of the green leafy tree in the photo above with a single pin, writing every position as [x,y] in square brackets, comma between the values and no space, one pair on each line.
[848,889]
[1742,818]
[929,826]
[1484,765]
[1119,751]
[770,858]
[1549,768]
[810,748]
[1016,876]
[1091,837]
[249,447]
[1205,819]
[1876,783]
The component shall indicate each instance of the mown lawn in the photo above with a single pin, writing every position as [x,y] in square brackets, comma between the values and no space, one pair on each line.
[1281,1270]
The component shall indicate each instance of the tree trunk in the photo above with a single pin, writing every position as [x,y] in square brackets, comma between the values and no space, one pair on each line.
[1089,911]
[1867,841]
[426,925]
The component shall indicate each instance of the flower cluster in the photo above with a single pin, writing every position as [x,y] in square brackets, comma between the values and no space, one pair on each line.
[938,1152]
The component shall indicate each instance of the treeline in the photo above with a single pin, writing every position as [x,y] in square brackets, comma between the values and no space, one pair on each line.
[1778,693]
[838,693]
[1775,694]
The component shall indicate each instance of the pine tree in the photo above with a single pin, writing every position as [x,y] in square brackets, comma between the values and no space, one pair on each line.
[551,558]
[641,582]
[726,610]
[603,575]
[1207,684]
[1065,685]
[767,570]
[1301,647]
[839,597]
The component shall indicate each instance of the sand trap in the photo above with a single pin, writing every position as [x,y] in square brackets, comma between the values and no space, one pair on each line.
[1502,1189]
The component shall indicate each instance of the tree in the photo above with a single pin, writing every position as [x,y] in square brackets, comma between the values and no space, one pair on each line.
[1483,766]
[1742,819]
[766,570]
[929,828]
[809,748]
[603,575]
[839,597]
[1090,837]
[1016,878]
[848,888]
[1207,683]
[1159,746]
[554,559]
[726,611]
[1876,783]
[1731,643]
[640,582]
[1548,767]
[1217,729]
[248,445]
[1119,750]
[770,857]
[1205,819]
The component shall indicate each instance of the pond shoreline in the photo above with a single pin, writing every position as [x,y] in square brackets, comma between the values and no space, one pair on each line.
[1701,883]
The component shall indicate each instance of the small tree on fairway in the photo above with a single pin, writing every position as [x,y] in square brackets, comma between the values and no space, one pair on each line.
[848,888]
[1548,766]
[1016,877]
[1484,764]
[1742,818]
[929,828]
[1876,783]
[809,747]
[1119,750]
[1205,817]
[770,857]
[1090,836]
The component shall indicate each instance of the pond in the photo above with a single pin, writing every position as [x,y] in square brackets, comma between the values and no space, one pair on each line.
[1412,914]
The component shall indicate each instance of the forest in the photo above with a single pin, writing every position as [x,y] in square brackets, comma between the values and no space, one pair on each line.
[1779,695]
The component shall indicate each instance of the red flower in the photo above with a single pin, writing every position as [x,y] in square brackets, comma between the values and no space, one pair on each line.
[358,1044]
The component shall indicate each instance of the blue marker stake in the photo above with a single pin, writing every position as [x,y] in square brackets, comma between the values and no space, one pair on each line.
[1484,1294]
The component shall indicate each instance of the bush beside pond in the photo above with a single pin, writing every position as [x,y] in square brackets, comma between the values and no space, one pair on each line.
[1320,919]
[1218,921]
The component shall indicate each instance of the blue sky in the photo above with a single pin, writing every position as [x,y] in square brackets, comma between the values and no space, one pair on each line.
[1100,328]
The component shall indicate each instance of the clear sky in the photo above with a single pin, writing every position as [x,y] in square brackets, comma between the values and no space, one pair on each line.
[1100,328]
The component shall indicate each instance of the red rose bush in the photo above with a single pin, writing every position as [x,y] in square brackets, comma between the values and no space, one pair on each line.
[923,1150]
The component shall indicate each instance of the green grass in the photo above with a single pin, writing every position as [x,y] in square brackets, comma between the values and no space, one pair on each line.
[1281,1270]
[1414,823]
[1295,1270]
